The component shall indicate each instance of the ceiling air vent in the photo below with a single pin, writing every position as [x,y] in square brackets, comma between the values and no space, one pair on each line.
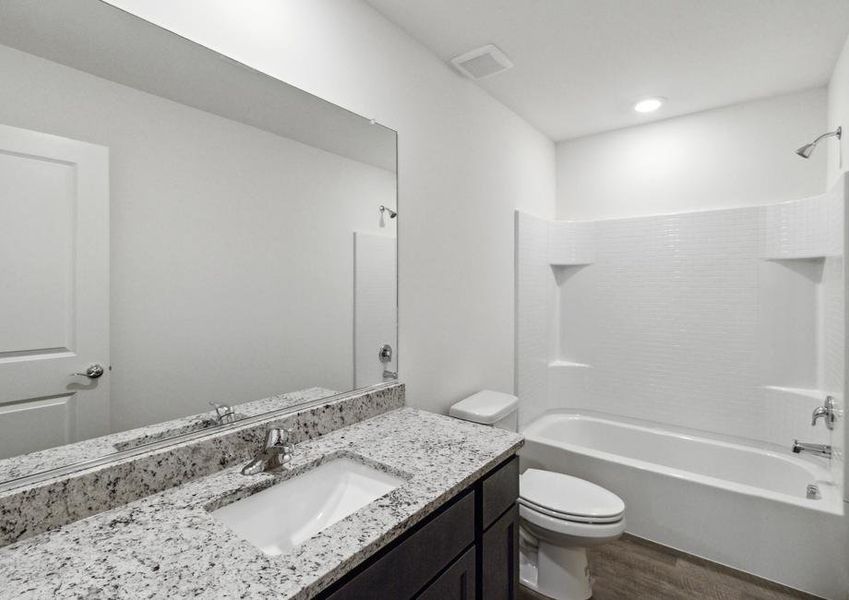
[482,62]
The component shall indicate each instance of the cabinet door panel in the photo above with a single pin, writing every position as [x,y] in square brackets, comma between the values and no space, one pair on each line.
[457,583]
[500,558]
[500,491]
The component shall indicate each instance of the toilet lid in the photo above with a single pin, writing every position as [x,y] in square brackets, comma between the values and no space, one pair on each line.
[568,497]
[485,407]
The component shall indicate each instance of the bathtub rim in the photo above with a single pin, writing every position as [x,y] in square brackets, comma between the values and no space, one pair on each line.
[830,503]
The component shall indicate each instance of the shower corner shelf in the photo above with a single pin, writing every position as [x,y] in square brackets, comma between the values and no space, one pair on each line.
[567,364]
[810,393]
[563,263]
[778,257]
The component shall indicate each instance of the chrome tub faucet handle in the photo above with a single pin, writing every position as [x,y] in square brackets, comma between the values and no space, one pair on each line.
[826,411]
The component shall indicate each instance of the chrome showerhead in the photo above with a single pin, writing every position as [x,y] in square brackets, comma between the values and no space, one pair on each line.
[384,209]
[808,149]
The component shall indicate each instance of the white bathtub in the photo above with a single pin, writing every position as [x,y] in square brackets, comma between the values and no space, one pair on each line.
[740,505]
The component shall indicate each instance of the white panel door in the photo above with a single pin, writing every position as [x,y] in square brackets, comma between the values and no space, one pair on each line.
[54,290]
[375,306]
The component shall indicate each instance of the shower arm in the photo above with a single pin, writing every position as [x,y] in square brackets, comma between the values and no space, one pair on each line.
[838,133]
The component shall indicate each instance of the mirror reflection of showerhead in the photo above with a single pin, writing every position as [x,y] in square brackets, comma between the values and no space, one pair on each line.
[385,209]
[808,149]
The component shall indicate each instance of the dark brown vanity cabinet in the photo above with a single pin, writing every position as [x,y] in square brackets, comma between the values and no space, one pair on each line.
[467,550]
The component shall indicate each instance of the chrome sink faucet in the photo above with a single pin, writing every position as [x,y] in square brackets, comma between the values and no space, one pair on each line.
[816,449]
[826,411]
[277,451]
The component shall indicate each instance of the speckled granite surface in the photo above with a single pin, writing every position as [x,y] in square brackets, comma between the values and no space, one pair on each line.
[169,546]
[51,458]
[39,507]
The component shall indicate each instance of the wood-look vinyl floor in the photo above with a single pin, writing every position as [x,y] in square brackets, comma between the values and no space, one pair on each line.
[634,569]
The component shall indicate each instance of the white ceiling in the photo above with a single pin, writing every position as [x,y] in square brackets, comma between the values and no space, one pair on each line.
[580,64]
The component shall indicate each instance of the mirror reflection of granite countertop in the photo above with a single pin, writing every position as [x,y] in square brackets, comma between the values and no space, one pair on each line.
[60,456]
[169,546]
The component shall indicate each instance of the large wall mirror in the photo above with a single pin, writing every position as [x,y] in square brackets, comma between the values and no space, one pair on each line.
[185,241]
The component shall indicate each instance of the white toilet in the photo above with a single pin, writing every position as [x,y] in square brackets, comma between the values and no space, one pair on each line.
[560,515]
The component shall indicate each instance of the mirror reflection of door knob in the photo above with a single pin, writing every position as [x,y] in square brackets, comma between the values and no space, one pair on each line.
[92,372]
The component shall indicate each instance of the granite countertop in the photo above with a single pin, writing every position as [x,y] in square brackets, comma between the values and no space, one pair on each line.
[169,546]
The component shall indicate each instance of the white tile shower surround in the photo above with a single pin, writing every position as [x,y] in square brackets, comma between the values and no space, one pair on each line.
[728,321]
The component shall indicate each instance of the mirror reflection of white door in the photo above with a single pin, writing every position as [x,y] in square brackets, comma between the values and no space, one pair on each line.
[54,290]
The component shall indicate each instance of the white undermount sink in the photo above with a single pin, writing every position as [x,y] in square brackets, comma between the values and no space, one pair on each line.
[279,518]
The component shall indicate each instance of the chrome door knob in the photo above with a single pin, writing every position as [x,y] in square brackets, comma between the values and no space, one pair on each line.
[92,372]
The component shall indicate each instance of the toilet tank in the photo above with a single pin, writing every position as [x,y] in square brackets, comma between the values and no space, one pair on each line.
[489,408]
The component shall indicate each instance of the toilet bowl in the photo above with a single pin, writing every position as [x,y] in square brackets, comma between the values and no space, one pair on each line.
[560,515]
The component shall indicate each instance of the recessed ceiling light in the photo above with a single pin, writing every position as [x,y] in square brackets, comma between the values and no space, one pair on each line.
[647,105]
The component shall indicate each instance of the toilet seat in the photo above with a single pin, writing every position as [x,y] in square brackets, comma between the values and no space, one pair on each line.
[566,498]
[582,534]
[569,517]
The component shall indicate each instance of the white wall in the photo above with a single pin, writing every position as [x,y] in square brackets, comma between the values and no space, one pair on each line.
[838,114]
[741,155]
[465,163]
[231,248]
